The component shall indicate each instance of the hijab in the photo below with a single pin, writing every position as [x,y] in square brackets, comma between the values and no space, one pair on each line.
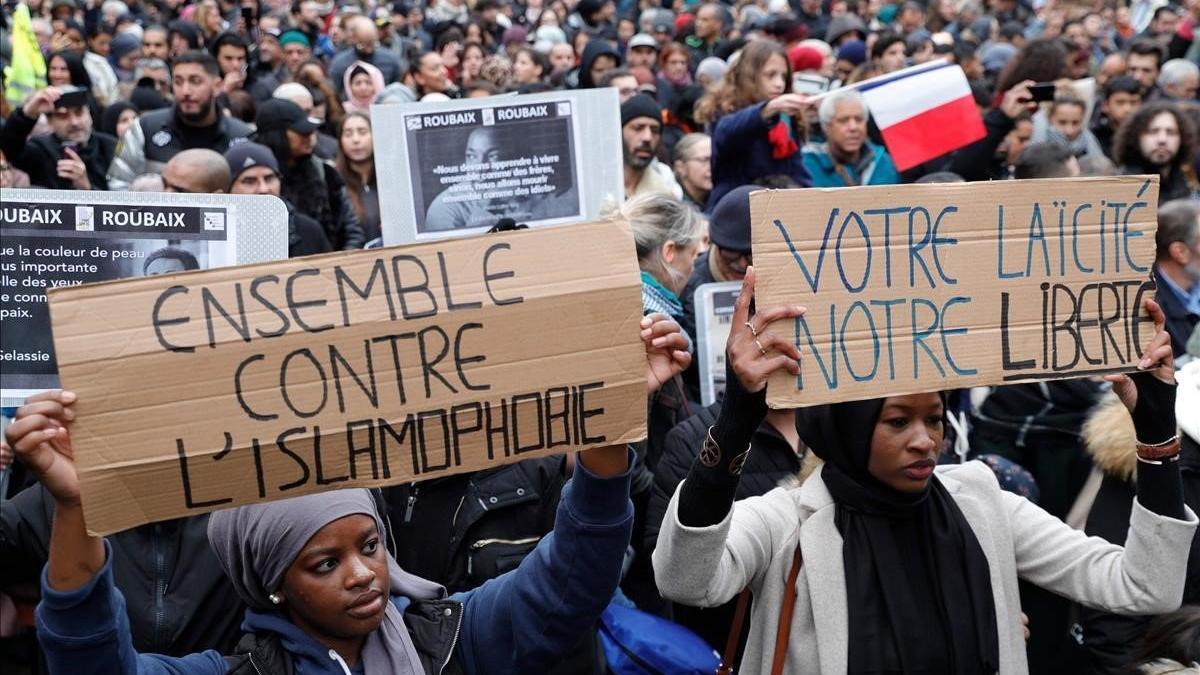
[362,104]
[918,585]
[256,544]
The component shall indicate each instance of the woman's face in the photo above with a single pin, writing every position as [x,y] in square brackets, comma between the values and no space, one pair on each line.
[57,74]
[772,81]
[179,44]
[474,33]
[356,139]
[450,52]
[212,17]
[126,118]
[525,70]
[682,259]
[101,43]
[338,586]
[695,170]
[548,18]
[676,66]
[906,441]
[892,58]
[301,145]
[362,88]
[472,59]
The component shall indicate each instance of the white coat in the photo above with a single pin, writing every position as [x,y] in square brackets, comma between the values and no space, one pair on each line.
[753,545]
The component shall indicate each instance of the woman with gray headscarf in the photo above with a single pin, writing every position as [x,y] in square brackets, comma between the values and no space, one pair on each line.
[323,594]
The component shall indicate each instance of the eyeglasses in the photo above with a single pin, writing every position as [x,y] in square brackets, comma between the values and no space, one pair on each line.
[733,257]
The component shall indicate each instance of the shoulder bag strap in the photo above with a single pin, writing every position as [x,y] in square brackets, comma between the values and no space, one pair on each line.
[735,634]
[785,614]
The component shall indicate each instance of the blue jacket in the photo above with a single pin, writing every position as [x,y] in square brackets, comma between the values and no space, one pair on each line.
[874,168]
[741,154]
[522,621]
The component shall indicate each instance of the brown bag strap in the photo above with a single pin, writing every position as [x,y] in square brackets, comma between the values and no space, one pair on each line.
[841,171]
[735,634]
[785,614]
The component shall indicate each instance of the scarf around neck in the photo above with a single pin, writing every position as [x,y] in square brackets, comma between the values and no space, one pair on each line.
[918,585]
[256,544]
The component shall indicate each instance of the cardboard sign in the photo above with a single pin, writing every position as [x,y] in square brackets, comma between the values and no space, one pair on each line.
[914,288]
[55,238]
[714,316]
[458,167]
[210,389]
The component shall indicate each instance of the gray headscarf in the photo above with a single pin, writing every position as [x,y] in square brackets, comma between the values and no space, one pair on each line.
[256,544]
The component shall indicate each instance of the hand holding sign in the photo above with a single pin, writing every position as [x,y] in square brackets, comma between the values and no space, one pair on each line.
[1149,394]
[666,350]
[751,344]
[40,437]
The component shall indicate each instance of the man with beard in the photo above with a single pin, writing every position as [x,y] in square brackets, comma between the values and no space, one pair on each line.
[72,156]
[641,135]
[1158,139]
[193,121]
[1177,269]
[364,43]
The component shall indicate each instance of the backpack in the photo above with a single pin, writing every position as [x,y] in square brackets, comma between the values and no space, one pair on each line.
[638,643]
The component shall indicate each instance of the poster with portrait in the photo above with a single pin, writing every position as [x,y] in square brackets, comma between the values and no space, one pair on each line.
[50,239]
[460,167]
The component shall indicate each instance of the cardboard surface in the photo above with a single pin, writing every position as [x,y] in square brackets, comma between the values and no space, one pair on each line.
[211,389]
[914,288]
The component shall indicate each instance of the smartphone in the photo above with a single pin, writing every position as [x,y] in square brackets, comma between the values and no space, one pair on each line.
[72,97]
[248,16]
[1042,91]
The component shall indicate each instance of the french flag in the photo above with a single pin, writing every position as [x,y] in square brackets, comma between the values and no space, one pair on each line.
[923,111]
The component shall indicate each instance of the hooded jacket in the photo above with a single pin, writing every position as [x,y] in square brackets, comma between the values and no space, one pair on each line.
[1108,434]
[593,50]
[519,622]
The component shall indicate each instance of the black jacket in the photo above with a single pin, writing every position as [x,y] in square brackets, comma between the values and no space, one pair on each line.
[462,530]
[177,597]
[1180,322]
[332,208]
[433,625]
[38,156]
[701,274]
[159,135]
[305,236]
[771,461]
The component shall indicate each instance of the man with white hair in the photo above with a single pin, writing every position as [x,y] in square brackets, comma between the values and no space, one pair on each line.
[1179,80]
[847,158]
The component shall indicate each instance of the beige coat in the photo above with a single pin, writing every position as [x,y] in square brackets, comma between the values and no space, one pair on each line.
[754,544]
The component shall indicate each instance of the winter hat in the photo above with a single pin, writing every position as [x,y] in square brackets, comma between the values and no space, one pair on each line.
[996,55]
[855,52]
[147,97]
[713,68]
[294,37]
[515,35]
[729,226]
[640,105]
[843,24]
[247,154]
[550,35]
[805,58]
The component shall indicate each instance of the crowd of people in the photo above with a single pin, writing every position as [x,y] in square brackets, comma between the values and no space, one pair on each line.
[817,540]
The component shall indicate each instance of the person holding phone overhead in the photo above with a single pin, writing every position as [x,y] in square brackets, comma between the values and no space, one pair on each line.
[73,156]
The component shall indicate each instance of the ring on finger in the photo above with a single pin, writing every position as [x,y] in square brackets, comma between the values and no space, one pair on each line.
[753,330]
[761,350]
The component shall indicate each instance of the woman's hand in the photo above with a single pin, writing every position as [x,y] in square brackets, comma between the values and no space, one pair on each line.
[792,104]
[1149,394]
[666,350]
[754,352]
[40,438]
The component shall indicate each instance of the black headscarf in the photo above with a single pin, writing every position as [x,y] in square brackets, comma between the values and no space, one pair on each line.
[918,585]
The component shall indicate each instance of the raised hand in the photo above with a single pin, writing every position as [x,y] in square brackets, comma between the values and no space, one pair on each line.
[41,439]
[666,350]
[754,352]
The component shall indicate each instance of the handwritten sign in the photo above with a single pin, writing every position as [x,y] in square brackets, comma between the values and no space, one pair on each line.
[211,389]
[913,288]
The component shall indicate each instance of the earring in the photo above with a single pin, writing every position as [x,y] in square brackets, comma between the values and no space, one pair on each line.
[275,598]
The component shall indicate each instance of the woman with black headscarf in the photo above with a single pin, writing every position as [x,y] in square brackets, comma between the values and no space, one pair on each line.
[893,568]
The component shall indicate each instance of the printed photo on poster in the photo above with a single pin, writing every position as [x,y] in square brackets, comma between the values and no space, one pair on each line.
[471,168]
[47,245]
